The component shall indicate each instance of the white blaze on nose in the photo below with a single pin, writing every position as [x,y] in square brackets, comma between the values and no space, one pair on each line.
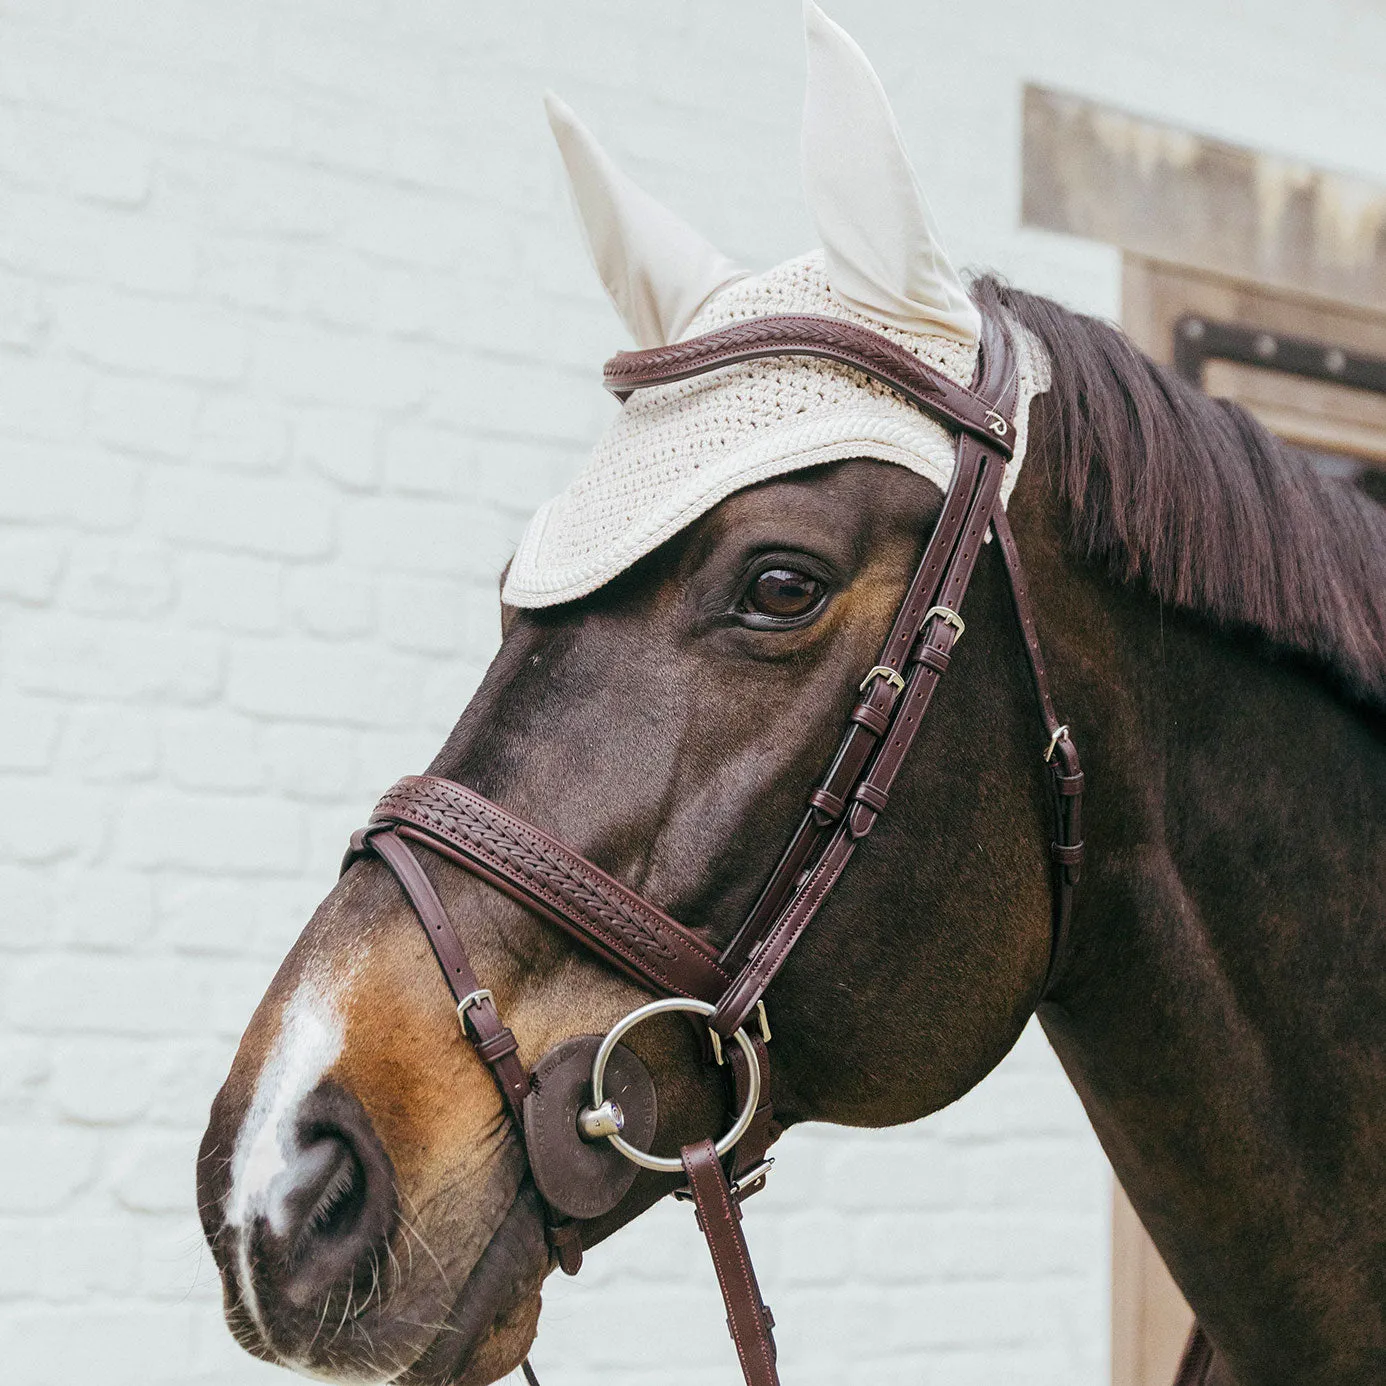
[309,1041]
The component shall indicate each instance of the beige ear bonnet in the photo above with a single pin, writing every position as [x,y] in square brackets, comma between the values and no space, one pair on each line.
[675,451]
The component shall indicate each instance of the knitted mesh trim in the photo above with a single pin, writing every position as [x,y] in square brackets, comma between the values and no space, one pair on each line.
[674,451]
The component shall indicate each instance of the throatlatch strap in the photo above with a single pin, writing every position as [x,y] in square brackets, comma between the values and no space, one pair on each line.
[748,1317]
[1061,758]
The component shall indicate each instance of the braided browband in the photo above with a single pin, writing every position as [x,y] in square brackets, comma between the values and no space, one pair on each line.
[832,339]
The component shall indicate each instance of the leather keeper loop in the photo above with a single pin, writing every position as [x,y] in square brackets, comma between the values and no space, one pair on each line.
[872,797]
[872,718]
[498,1046]
[931,657]
[1065,854]
[826,802]
[861,820]
[1069,784]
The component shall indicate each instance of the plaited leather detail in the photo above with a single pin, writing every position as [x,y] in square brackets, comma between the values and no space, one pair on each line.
[568,889]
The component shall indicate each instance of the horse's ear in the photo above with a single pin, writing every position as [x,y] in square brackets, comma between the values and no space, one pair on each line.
[657,269]
[884,254]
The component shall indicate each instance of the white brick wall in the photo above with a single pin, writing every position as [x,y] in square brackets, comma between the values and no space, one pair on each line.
[294,332]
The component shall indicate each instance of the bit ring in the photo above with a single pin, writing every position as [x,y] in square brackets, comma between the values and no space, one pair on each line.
[665,1164]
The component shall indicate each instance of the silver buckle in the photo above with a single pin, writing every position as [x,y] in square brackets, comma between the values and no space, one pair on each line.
[887,673]
[745,1184]
[761,1017]
[1060,735]
[472,998]
[948,616]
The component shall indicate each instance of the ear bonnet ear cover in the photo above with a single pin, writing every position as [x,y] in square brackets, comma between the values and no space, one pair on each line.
[675,451]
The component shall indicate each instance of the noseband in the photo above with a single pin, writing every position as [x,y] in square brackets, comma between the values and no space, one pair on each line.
[568,1100]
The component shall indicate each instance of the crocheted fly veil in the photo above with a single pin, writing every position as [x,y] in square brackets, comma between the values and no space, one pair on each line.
[674,451]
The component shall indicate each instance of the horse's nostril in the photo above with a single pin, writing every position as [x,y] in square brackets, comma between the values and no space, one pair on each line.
[332,1195]
[331,1207]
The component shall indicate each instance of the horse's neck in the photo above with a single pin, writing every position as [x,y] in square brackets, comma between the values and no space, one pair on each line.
[1224,1016]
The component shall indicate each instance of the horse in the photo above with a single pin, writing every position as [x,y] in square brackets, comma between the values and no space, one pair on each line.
[1213,616]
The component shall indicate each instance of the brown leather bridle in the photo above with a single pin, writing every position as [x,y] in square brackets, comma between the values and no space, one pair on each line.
[727,988]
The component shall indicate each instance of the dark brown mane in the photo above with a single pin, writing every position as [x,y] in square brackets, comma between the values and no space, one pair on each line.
[1193,497]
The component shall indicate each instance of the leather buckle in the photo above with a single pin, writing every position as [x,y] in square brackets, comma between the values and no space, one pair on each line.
[716,1040]
[1060,734]
[887,673]
[949,617]
[473,998]
[749,1183]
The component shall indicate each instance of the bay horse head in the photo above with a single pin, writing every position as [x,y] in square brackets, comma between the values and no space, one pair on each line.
[687,630]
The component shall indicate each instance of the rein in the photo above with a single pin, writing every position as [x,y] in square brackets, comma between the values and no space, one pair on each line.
[576,1112]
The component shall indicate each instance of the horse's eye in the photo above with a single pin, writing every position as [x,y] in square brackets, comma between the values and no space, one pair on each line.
[783,593]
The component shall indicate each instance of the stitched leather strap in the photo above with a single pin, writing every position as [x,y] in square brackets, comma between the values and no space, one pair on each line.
[1066,851]
[719,1217]
[541,872]
[872,752]
[833,339]
[481,1023]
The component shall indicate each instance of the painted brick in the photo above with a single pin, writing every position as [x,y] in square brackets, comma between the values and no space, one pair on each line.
[339,443]
[119,577]
[31,563]
[25,1068]
[133,333]
[215,751]
[102,1081]
[242,272]
[320,682]
[84,1257]
[50,1346]
[317,763]
[105,908]
[332,602]
[155,1172]
[428,615]
[148,995]
[75,656]
[247,434]
[412,536]
[153,417]
[157,257]
[23,1240]
[269,516]
[41,1168]
[27,921]
[428,461]
[29,731]
[58,821]
[82,486]
[230,592]
[41,397]
[235,834]
[110,745]
[23,311]
[316,365]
